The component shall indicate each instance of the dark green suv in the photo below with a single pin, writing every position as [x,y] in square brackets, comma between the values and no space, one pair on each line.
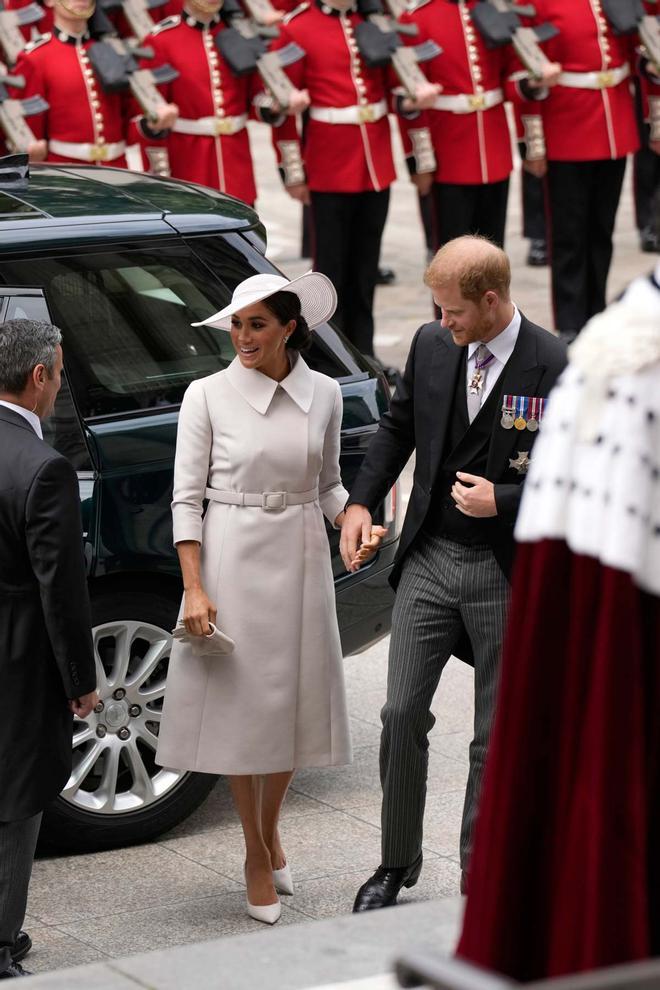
[123,264]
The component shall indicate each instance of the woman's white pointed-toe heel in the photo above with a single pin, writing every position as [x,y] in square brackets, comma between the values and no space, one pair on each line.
[283,881]
[267,913]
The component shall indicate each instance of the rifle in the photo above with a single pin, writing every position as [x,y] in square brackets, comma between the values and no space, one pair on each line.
[628,17]
[115,65]
[499,24]
[243,48]
[13,113]
[12,41]
[137,14]
[380,45]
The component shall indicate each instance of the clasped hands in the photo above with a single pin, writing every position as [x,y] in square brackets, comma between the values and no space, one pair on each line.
[360,539]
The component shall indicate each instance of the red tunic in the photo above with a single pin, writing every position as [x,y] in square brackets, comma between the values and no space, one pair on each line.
[346,157]
[202,91]
[470,148]
[587,124]
[80,110]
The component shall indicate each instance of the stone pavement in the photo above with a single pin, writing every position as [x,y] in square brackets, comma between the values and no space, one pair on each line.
[188,886]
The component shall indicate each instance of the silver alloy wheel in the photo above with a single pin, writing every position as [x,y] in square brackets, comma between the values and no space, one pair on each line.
[113,748]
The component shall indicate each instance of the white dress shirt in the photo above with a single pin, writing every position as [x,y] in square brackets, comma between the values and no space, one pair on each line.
[501,347]
[31,417]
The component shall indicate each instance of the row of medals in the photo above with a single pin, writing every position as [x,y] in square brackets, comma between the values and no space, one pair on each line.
[509,420]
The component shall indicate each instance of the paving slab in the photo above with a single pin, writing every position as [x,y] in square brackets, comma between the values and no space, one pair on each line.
[70,888]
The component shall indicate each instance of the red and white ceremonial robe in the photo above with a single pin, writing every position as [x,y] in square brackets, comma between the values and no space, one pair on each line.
[565,870]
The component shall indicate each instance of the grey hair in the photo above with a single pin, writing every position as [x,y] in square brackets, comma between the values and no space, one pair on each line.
[23,345]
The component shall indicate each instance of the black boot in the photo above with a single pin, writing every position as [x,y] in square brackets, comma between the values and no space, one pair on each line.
[537,256]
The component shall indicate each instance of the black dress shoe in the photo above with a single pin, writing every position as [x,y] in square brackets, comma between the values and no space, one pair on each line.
[382,889]
[648,240]
[386,276]
[22,946]
[537,256]
[14,969]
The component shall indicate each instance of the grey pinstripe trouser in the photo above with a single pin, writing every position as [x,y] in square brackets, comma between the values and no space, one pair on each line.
[444,586]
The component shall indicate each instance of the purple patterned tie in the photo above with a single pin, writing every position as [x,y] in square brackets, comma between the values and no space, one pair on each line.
[477,384]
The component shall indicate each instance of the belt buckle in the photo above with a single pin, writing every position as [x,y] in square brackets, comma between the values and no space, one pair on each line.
[223,126]
[367,115]
[605,80]
[267,503]
[477,101]
[98,153]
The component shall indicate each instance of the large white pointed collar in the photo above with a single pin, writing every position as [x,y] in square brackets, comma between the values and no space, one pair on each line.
[259,389]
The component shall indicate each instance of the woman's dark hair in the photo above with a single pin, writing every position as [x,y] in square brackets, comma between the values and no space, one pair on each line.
[286,306]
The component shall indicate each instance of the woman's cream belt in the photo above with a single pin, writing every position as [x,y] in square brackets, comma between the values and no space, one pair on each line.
[268,501]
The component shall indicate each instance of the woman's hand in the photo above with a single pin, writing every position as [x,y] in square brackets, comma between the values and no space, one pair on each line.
[198,612]
[368,548]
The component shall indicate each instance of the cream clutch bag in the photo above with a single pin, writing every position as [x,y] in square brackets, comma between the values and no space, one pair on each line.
[214,643]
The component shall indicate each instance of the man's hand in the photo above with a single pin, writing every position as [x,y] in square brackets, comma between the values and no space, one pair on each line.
[423,181]
[550,77]
[425,95]
[298,102]
[198,612]
[83,705]
[38,151]
[655,147]
[299,192]
[537,167]
[478,500]
[355,530]
[167,118]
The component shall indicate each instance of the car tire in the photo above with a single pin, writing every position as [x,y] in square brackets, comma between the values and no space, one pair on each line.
[69,825]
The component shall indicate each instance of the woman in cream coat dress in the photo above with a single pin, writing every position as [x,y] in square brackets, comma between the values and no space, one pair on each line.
[265,430]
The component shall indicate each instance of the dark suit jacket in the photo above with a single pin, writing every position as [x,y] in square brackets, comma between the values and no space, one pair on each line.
[46,653]
[419,417]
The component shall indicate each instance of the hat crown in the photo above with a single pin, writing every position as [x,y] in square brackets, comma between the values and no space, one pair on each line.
[257,287]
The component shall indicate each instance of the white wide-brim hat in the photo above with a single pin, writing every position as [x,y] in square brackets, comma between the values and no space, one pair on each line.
[317,294]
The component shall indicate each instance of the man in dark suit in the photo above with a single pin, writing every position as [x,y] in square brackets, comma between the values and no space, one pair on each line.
[47,666]
[468,406]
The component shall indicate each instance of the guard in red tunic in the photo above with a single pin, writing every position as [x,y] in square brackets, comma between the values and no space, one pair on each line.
[468,122]
[590,128]
[84,123]
[347,166]
[209,142]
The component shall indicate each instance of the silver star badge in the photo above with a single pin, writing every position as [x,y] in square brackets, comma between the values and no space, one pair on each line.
[521,462]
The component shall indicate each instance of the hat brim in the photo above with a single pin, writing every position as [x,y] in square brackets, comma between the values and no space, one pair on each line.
[317,294]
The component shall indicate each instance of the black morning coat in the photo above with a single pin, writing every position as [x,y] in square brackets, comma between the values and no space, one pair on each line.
[419,418]
[46,653]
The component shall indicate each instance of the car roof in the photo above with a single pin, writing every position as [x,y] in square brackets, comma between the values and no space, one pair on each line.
[85,195]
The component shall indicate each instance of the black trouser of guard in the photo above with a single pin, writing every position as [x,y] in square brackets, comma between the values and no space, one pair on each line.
[583,198]
[533,203]
[646,181]
[348,229]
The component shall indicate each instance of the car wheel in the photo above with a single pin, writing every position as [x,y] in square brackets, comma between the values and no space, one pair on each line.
[117,795]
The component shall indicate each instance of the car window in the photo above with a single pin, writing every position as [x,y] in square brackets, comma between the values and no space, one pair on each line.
[125,319]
